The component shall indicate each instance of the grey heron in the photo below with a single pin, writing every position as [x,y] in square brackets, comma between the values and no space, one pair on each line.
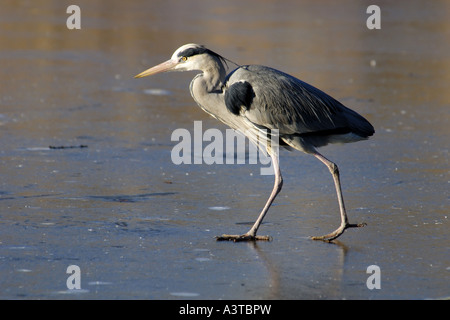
[259,100]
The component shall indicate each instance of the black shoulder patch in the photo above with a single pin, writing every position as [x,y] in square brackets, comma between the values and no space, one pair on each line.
[239,94]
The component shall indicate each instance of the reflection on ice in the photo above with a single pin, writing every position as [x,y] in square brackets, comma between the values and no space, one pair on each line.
[157,92]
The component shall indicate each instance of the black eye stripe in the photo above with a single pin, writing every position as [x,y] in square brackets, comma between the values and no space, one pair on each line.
[190,52]
[193,51]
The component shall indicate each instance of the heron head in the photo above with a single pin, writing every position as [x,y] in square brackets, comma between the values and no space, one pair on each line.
[186,58]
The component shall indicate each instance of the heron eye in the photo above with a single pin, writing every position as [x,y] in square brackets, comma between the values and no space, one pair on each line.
[184,58]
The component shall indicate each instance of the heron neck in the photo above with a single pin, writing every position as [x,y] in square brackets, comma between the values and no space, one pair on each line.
[207,90]
[214,77]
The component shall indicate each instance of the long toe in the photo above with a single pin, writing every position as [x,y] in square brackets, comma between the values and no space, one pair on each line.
[338,232]
[328,237]
[243,237]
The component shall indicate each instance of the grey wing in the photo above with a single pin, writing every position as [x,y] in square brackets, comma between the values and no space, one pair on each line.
[272,99]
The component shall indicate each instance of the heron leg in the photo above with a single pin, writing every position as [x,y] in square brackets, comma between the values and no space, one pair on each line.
[251,234]
[344,220]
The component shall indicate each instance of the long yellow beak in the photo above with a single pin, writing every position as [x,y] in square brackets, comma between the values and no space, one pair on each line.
[165,66]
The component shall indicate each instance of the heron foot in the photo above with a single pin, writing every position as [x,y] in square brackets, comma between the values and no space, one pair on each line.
[338,232]
[243,237]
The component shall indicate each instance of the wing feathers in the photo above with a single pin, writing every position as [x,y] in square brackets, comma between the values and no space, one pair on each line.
[275,100]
